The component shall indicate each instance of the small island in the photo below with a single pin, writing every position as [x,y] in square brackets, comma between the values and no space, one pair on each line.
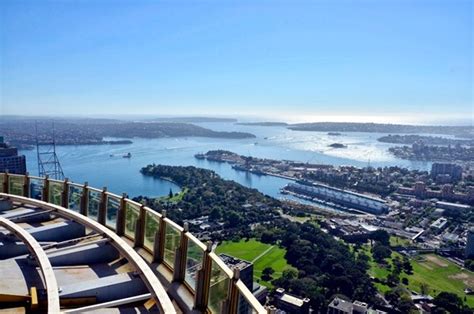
[337,145]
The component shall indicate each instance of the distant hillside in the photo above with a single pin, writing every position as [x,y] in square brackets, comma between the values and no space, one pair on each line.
[22,133]
[460,131]
[429,140]
[263,123]
[193,119]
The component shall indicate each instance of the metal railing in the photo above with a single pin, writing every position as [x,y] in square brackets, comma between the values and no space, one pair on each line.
[215,287]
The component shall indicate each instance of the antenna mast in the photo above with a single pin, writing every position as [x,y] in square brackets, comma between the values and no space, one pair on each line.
[48,162]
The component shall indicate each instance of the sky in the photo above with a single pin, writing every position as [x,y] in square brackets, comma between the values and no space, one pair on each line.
[380,61]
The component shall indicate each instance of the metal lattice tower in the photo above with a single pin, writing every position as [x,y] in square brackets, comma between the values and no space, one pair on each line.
[48,162]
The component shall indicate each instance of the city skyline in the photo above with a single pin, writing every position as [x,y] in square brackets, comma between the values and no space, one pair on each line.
[324,61]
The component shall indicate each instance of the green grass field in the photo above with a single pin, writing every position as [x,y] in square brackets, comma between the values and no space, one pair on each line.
[440,275]
[437,272]
[260,254]
[176,197]
[398,241]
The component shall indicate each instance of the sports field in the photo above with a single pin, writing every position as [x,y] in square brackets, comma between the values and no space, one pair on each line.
[260,254]
[438,273]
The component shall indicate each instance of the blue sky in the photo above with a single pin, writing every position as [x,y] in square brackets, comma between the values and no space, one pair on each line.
[291,60]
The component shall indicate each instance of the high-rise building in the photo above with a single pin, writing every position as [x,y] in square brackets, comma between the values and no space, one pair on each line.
[291,303]
[440,170]
[246,275]
[10,160]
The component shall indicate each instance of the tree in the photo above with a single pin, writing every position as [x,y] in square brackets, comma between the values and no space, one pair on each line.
[407,265]
[424,289]
[170,194]
[268,236]
[469,264]
[380,252]
[393,278]
[400,299]
[215,214]
[449,301]
[397,264]
[267,273]
[381,236]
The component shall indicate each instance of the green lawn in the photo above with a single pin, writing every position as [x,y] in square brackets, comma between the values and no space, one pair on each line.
[437,272]
[260,254]
[440,275]
[398,241]
[176,197]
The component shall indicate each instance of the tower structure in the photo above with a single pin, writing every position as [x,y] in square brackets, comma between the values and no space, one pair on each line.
[48,162]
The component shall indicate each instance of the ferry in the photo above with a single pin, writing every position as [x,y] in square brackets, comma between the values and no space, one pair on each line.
[127,155]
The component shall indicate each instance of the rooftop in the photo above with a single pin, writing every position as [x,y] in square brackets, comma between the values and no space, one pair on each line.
[70,247]
[340,304]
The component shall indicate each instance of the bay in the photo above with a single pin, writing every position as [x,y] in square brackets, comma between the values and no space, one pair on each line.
[103,165]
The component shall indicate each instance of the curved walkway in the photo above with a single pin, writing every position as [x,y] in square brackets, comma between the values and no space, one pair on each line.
[151,281]
[43,262]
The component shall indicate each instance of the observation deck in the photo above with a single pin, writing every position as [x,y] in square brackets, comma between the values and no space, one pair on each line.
[67,247]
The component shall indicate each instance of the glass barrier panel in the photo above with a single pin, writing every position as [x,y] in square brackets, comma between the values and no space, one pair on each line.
[171,244]
[74,197]
[132,212]
[94,204]
[2,179]
[55,192]
[193,263]
[36,188]
[113,206]
[219,289]
[15,185]
[152,224]
[244,306]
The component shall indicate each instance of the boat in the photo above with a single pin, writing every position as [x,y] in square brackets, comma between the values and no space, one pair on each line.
[129,155]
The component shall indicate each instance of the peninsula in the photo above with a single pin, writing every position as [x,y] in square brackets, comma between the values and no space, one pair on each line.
[21,131]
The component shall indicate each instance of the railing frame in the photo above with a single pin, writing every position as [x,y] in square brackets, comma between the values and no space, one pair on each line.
[201,292]
[84,209]
[6,184]
[140,228]
[102,207]
[65,194]
[179,272]
[120,224]
[231,305]
[143,269]
[45,196]
[203,282]
[26,185]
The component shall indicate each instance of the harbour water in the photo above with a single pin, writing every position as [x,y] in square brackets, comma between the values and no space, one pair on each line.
[103,165]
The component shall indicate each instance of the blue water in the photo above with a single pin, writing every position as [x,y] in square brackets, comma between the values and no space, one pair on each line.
[92,163]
